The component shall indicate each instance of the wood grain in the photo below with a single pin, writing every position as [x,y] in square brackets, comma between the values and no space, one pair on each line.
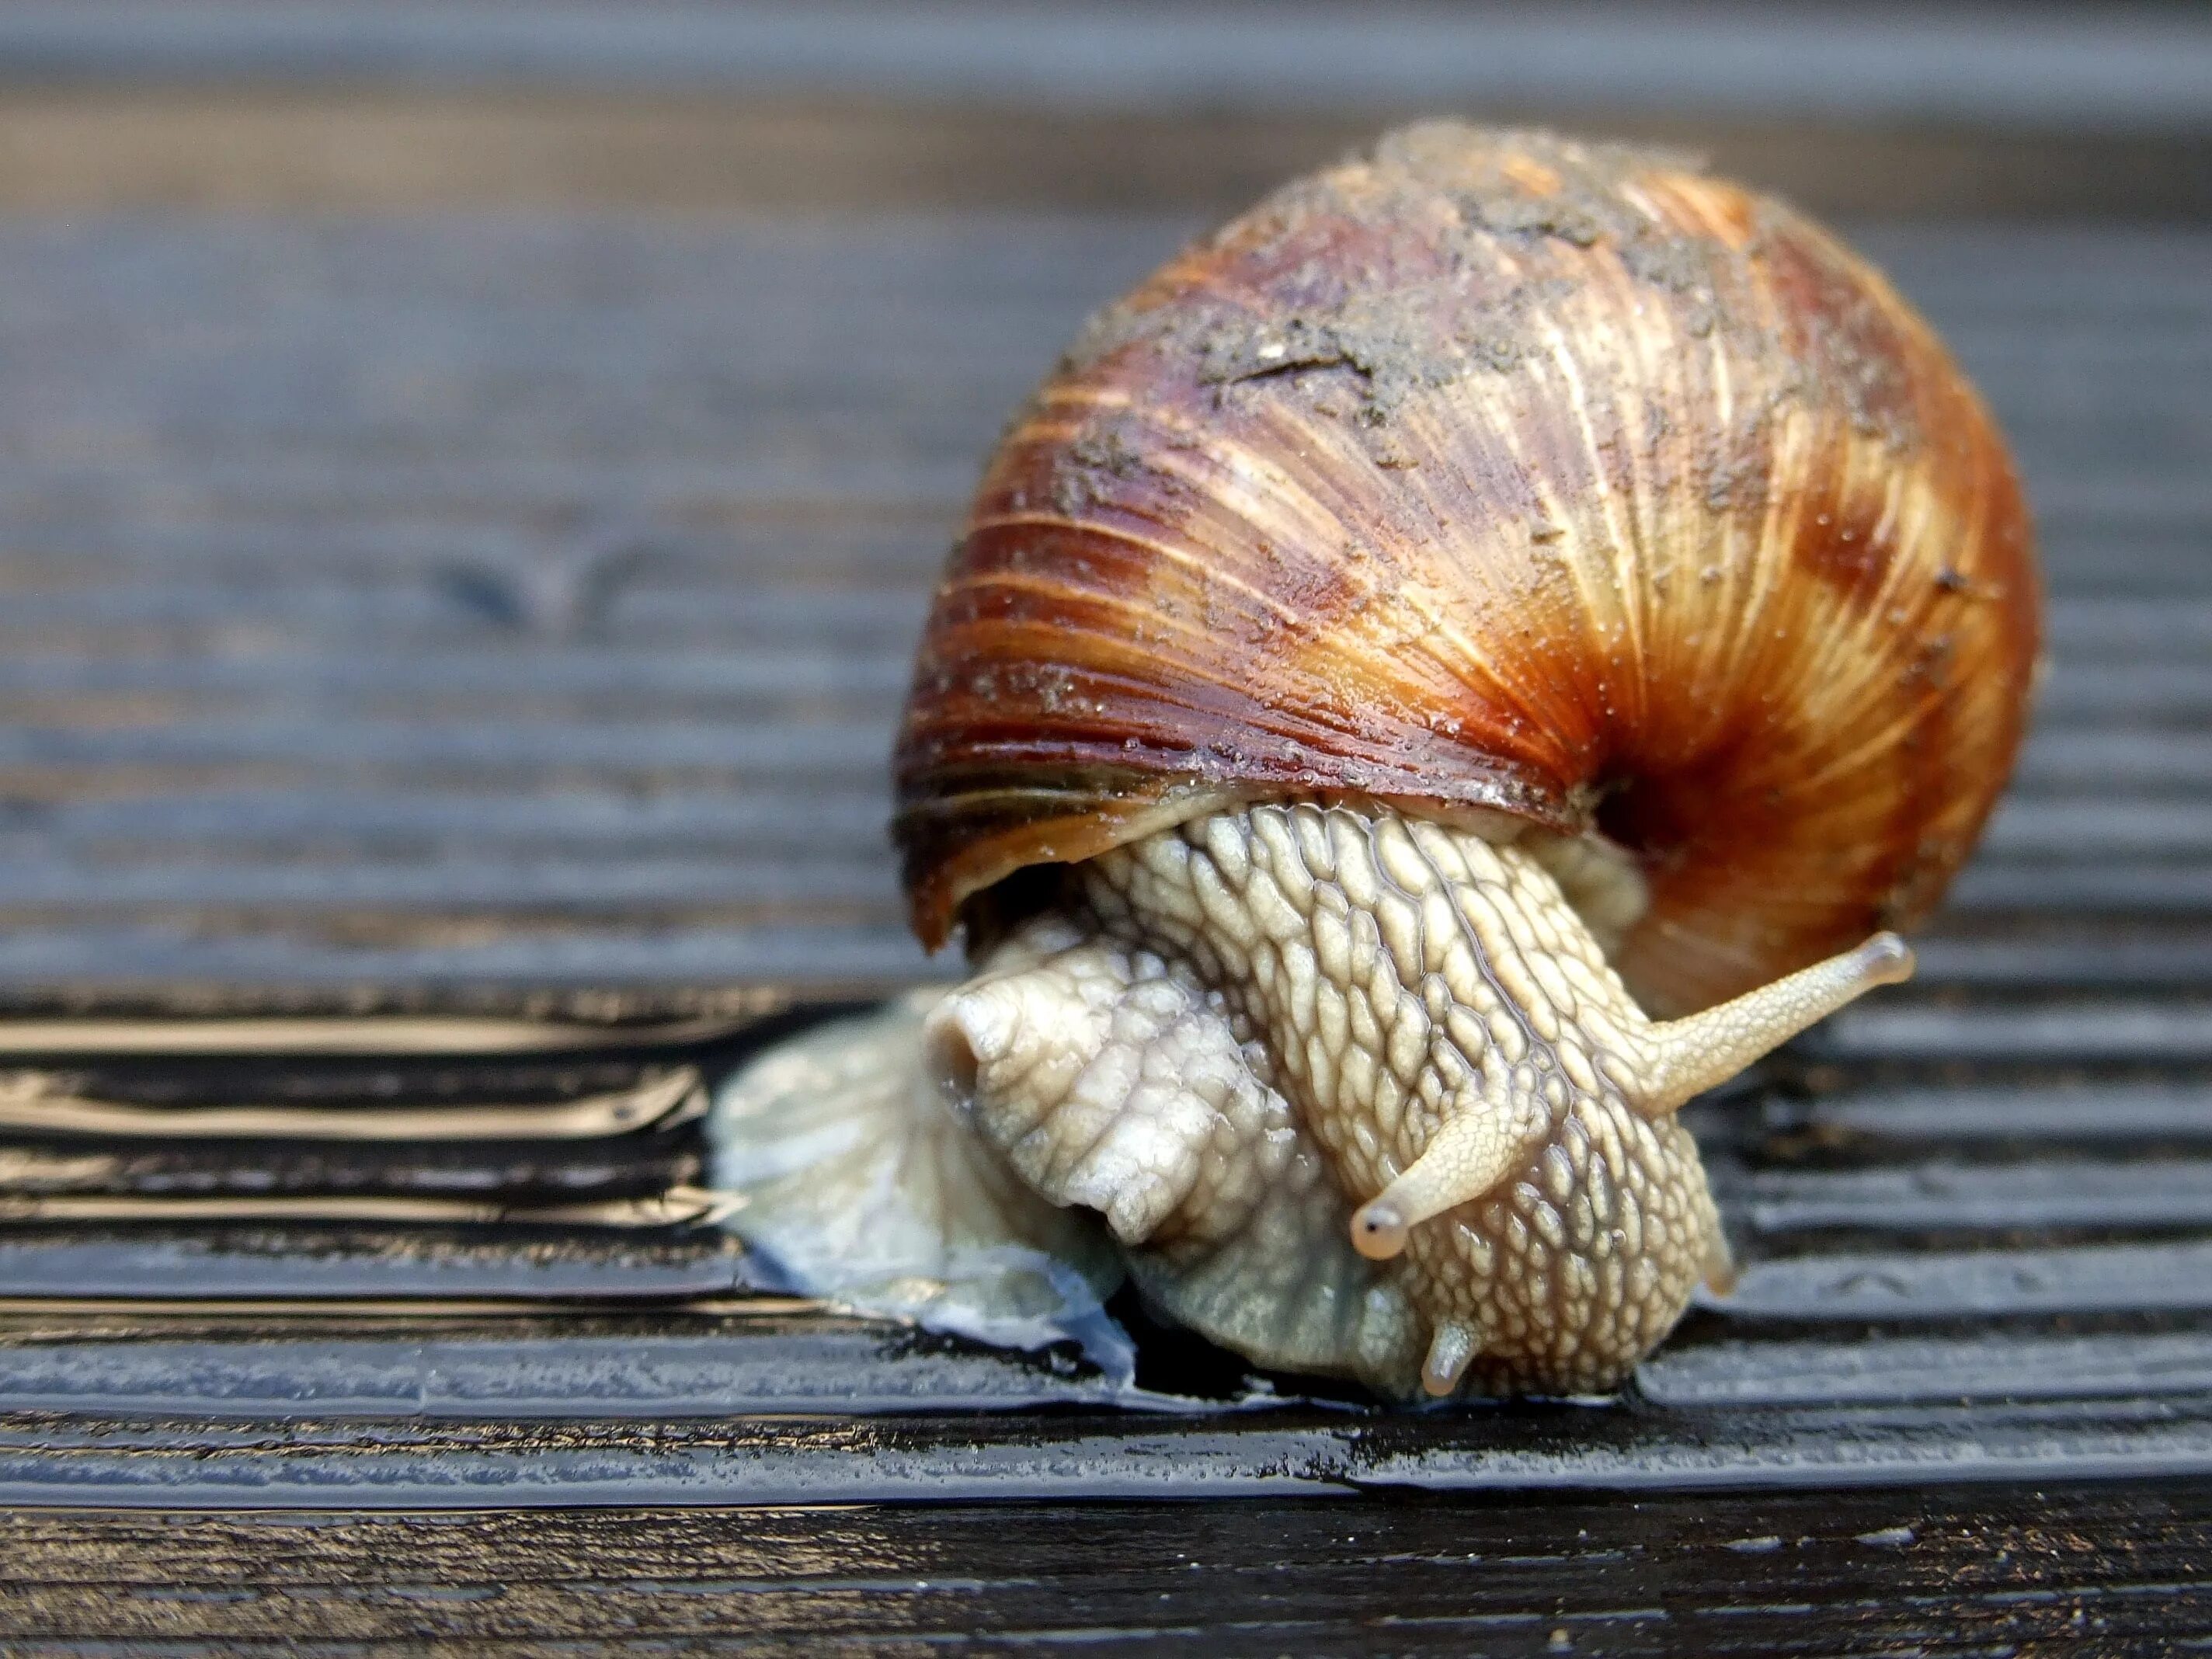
[459,601]
[489,592]
[1940,1572]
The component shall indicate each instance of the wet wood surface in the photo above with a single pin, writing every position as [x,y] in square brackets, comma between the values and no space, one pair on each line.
[445,601]
[1945,1572]
[498,624]
[464,619]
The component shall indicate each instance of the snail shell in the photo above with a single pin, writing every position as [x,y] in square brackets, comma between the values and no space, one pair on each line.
[1495,473]
[1498,591]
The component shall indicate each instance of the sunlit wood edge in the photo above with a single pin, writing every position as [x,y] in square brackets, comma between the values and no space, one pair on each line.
[36,1101]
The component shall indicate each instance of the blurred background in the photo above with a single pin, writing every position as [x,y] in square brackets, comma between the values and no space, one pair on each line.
[470,473]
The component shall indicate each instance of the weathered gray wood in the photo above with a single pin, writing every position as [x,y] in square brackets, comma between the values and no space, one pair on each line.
[768,1361]
[1913,65]
[167,1463]
[2125,954]
[413,610]
[415,607]
[2123,1115]
[557,577]
[2076,1031]
[1937,1572]
[2072,1197]
[1860,1286]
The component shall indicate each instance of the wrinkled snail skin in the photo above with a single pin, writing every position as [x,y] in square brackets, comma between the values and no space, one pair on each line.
[1227,1027]
[1474,652]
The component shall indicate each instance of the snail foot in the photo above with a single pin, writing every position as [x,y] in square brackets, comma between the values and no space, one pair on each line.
[852,1180]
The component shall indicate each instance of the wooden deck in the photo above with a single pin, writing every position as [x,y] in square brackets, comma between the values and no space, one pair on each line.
[458,591]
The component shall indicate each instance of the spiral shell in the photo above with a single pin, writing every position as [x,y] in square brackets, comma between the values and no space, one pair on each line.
[1495,473]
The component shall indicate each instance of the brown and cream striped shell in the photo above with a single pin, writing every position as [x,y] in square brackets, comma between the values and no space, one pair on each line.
[1493,470]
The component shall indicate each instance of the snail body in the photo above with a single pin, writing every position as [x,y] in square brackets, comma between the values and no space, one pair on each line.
[1432,681]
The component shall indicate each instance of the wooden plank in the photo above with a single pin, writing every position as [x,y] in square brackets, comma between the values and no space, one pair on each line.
[2122,1116]
[794,1359]
[186,1263]
[2076,1031]
[453,608]
[2109,960]
[1942,1572]
[170,1463]
[2070,1196]
[1915,65]
[145,1335]
[386,606]
[1992,1366]
[387,148]
[1856,1287]
[418,613]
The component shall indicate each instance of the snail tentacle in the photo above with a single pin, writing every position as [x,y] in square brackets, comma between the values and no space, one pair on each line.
[1451,1351]
[1689,1056]
[1465,1159]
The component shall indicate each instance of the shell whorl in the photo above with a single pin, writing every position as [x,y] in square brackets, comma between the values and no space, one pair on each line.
[1497,473]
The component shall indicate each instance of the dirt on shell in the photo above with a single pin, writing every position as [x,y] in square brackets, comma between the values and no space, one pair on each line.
[1411,267]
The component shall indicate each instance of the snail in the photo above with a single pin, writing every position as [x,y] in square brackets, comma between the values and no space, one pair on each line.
[1472,653]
